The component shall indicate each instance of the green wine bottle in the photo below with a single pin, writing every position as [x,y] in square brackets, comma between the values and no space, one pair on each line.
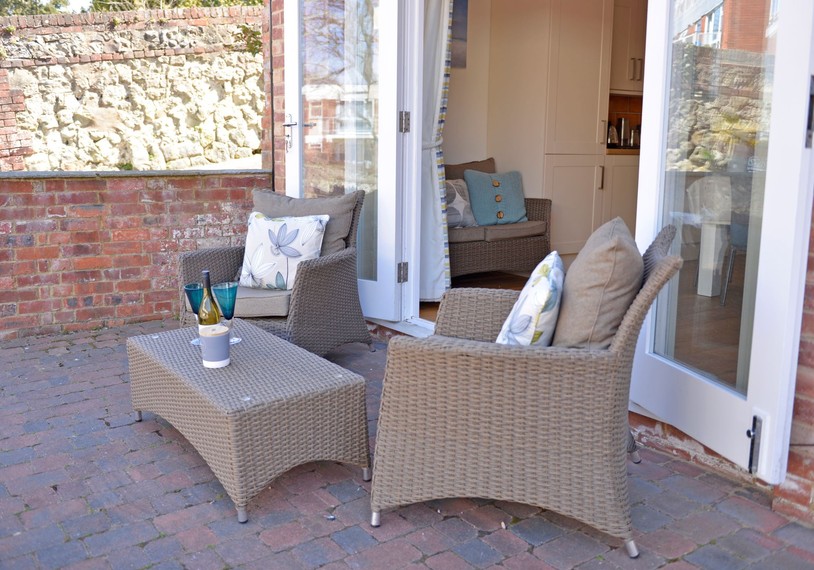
[208,313]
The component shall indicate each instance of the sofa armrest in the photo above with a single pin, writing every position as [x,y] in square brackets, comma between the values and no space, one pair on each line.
[474,313]
[538,209]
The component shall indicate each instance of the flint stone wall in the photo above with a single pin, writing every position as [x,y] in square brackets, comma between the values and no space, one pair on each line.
[142,90]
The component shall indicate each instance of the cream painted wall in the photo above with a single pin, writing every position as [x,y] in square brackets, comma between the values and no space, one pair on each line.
[497,104]
[465,128]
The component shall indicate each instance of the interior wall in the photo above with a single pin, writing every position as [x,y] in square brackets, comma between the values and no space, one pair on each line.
[497,103]
[465,128]
[518,76]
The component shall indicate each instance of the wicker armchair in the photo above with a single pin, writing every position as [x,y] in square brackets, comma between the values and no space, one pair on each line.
[323,308]
[462,416]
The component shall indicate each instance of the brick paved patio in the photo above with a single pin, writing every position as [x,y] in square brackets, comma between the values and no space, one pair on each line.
[82,485]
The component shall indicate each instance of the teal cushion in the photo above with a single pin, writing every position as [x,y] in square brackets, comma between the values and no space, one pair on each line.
[496,198]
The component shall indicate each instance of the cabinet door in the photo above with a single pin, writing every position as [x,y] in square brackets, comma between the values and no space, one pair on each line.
[579,75]
[621,189]
[627,54]
[574,183]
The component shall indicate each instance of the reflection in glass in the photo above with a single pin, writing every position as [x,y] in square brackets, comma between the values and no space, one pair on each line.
[718,131]
[340,102]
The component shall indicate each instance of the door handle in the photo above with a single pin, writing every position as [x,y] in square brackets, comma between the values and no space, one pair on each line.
[601,178]
[640,61]
[631,69]
[289,125]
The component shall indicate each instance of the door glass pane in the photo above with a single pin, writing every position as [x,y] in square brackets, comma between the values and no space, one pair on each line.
[718,132]
[340,109]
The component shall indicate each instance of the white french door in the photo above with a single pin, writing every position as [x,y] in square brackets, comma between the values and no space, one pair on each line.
[341,104]
[726,152]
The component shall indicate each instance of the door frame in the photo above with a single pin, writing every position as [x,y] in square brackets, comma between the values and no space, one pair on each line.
[784,243]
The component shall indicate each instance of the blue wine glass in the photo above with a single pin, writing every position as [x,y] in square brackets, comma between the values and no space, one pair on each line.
[226,295]
[194,293]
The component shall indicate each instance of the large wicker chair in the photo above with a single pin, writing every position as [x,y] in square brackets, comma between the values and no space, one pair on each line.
[323,308]
[462,416]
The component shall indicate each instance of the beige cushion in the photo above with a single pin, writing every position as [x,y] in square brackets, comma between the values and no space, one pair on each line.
[456,171]
[338,208]
[463,235]
[253,302]
[514,231]
[599,287]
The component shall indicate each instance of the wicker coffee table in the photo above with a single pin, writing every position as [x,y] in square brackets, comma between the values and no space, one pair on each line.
[274,407]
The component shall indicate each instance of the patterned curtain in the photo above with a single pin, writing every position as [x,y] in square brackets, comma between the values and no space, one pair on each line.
[435,275]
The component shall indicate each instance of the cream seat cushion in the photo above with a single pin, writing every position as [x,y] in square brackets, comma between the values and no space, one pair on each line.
[599,287]
[254,302]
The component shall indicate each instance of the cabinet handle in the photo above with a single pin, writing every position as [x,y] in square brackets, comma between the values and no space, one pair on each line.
[603,132]
[641,69]
[601,178]
[631,69]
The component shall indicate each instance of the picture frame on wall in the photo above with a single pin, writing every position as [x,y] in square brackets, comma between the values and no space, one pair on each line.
[460,11]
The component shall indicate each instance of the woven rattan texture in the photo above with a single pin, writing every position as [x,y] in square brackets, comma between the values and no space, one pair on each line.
[324,311]
[461,417]
[521,254]
[274,407]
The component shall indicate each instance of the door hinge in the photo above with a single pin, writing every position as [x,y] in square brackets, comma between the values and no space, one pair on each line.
[401,272]
[404,121]
[754,447]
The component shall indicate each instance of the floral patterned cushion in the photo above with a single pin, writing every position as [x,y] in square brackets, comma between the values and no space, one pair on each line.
[534,315]
[276,246]
[459,212]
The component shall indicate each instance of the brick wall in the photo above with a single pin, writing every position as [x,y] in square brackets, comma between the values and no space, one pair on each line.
[83,252]
[14,144]
[278,90]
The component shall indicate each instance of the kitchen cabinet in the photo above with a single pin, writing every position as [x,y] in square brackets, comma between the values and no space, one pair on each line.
[574,183]
[621,189]
[578,76]
[576,118]
[627,53]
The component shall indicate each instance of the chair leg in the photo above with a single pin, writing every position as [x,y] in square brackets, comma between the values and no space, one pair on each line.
[728,276]
[632,551]
[366,474]
[633,448]
[242,515]
[375,518]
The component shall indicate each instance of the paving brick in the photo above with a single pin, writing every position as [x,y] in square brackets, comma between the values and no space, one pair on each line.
[536,531]
[347,490]
[457,530]
[447,561]
[569,550]
[750,514]
[506,542]
[197,538]
[787,560]
[353,539]
[431,541]
[667,543]
[121,537]
[390,555]
[61,555]
[526,561]
[486,518]
[673,504]
[647,519]
[285,536]
[750,545]
[317,552]
[796,534]
[705,526]
[715,558]
[478,553]
[242,550]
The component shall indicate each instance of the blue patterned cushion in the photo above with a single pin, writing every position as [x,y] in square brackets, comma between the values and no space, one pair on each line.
[276,246]
[534,315]
[496,198]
